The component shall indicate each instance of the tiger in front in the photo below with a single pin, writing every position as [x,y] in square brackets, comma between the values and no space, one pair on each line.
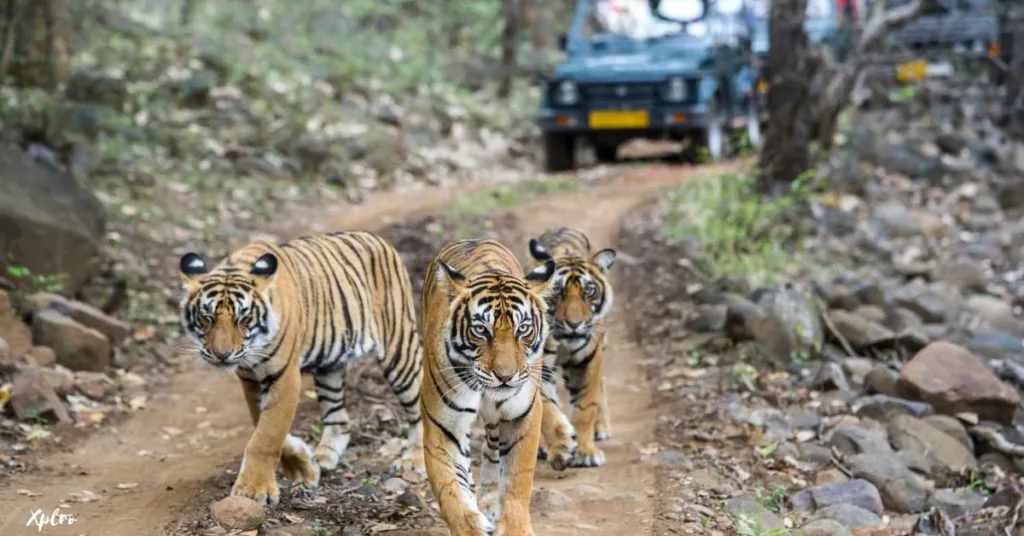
[271,312]
[484,331]
[582,298]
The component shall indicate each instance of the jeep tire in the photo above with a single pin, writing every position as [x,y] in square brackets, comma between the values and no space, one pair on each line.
[606,153]
[559,152]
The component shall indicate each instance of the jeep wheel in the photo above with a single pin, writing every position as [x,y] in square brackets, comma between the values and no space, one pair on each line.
[606,154]
[559,152]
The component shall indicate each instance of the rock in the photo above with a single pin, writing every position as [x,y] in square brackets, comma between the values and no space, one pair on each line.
[836,296]
[901,489]
[95,385]
[796,312]
[41,356]
[998,314]
[759,516]
[952,427]
[957,502]
[194,91]
[14,333]
[709,318]
[5,352]
[941,450]
[873,313]
[239,513]
[896,220]
[850,515]
[995,344]
[853,439]
[745,321]
[816,454]
[857,330]
[547,500]
[965,276]
[410,498]
[60,379]
[32,397]
[857,492]
[824,527]
[48,223]
[829,476]
[915,461]
[881,380]
[929,305]
[394,485]
[672,458]
[831,376]
[953,380]
[77,347]
[883,407]
[115,330]
[870,294]
[740,315]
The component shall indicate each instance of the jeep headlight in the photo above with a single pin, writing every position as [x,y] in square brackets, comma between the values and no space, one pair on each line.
[675,89]
[566,93]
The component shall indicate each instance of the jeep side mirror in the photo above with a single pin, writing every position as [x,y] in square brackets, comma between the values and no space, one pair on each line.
[563,41]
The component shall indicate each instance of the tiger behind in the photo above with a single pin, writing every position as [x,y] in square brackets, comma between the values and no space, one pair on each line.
[313,304]
[581,299]
[484,331]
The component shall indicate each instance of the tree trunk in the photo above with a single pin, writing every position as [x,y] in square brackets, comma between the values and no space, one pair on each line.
[35,37]
[1014,58]
[785,153]
[508,47]
[187,8]
[534,25]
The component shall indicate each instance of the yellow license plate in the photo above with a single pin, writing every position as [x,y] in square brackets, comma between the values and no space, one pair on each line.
[619,119]
[911,71]
[762,86]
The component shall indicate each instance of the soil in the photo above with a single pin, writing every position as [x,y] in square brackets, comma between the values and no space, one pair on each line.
[158,471]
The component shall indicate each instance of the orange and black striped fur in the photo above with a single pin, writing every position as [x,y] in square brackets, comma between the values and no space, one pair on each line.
[484,329]
[581,299]
[271,312]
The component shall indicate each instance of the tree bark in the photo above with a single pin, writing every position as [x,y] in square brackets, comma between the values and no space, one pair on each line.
[508,47]
[534,24]
[35,39]
[785,153]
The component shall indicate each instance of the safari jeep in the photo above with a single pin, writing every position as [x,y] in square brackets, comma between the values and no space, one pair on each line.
[646,70]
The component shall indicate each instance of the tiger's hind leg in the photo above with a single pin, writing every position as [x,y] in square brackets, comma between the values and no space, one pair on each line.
[330,392]
[558,433]
[603,428]
[405,376]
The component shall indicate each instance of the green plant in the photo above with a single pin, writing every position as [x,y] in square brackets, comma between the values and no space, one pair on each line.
[27,282]
[508,196]
[774,499]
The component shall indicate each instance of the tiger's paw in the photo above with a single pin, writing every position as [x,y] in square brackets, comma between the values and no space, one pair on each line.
[298,466]
[328,453]
[490,505]
[601,435]
[542,453]
[411,460]
[588,457]
[561,455]
[261,489]
[478,524]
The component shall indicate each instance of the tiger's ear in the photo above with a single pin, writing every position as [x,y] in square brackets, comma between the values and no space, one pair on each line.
[540,278]
[449,280]
[264,270]
[538,252]
[191,267]
[604,259]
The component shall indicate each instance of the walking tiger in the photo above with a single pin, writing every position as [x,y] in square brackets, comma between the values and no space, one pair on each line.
[484,329]
[582,298]
[270,312]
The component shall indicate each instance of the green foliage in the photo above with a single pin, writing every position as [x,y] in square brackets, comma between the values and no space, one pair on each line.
[508,196]
[28,282]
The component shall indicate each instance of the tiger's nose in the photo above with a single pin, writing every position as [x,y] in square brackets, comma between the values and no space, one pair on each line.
[504,377]
[223,356]
[573,325]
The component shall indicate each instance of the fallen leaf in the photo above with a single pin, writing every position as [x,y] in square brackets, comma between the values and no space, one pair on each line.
[171,431]
[5,395]
[128,485]
[28,493]
[310,394]
[294,520]
[83,496]
[767,450]
[38,433]
[381,527]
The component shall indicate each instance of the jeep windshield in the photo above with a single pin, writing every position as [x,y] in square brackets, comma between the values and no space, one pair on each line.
[628,23]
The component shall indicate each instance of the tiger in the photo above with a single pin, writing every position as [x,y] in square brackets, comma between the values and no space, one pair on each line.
[484,329]
[582,298]
[272,312]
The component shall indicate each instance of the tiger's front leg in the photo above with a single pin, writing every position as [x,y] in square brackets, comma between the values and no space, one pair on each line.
[330,393]
[584,382]
[297,458]
[256,479]
[558,433]
[490,472]
[519,439]
[446,453]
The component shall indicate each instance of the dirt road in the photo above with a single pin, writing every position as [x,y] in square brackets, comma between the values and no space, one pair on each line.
[148,472]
